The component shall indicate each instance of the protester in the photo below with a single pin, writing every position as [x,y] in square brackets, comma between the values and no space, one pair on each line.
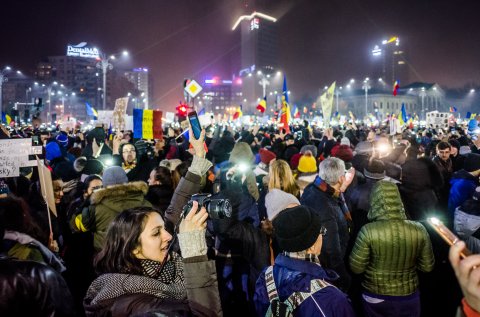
[325,197]
[139,275]
[464,182]
[160,189]
[467,221]
[297,280]
[281,177]
[388,251]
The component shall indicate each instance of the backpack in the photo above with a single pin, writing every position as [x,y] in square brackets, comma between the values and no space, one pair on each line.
[278,308]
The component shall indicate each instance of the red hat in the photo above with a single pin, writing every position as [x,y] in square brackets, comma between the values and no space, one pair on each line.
[266,156]
[295,160]
[343,152]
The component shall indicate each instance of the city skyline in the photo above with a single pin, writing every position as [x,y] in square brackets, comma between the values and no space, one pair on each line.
[319,43]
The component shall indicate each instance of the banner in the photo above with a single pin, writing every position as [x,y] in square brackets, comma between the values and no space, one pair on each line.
[47,186]
[119,113]
[326,100]
[437,120]
[147,124]
[11,161]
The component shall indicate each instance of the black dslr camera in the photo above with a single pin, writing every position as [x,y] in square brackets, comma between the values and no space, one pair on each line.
[216,208]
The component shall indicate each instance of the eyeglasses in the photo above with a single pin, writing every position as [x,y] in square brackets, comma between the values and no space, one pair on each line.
[127,151]
[96,188]
[323,231]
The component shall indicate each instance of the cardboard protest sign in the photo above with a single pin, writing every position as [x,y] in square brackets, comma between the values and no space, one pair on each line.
[437,120]
[12,160]
[46,186]
[119,113]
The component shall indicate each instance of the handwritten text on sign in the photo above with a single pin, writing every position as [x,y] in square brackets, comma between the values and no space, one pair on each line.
[14,154]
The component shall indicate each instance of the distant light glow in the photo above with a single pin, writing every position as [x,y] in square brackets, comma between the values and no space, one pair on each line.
[251,16]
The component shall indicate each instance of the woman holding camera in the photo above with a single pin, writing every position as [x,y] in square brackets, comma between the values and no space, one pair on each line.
[139,275]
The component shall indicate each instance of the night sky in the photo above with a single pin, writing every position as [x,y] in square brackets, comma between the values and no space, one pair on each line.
[320,41]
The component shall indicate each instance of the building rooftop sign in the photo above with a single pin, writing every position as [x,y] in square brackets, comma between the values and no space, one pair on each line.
[252,16]
[82,50]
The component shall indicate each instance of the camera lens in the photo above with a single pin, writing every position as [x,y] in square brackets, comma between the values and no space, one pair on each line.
[219,209]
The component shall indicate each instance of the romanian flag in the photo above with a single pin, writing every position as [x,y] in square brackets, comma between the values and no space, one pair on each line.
[147,124]
[6,118]
[337,116]
[238,113]
[91,111]
[285,117]
[402,116]
[453,109]
[110,132]
[262,105]
[396,86]
[296,113]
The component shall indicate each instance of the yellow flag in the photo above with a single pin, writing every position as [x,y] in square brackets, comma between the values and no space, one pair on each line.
[147,124]
[326,101]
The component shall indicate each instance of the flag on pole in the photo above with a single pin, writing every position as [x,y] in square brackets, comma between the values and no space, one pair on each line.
[453,109]
[296,113]
[326,100]
[91,111]
[238,113]
[147,124]
[402,116]
[285,117]
[396,86]
[6,118]
[262,105]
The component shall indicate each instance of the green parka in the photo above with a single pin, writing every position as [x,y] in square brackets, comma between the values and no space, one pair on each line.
[390,249]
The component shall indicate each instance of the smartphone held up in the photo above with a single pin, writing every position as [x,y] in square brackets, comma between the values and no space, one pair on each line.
[447,235]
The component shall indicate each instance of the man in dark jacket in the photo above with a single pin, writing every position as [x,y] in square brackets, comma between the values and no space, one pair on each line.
[325,197]
[444,164]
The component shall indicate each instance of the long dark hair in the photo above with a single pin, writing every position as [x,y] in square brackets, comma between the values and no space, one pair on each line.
[123,237]
[164,176]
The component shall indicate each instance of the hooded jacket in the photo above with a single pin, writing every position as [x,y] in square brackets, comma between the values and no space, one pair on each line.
[390,249]
[463,186]
[107,203]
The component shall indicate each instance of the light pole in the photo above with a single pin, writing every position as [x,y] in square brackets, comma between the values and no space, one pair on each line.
[3,78]
[366,87]
[422,95]
[337,92]
[105,65]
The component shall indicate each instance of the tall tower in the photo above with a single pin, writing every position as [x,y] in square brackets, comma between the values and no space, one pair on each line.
[390,61]
[259,54]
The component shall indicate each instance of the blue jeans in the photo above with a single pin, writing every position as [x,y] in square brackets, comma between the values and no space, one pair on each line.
[376,305]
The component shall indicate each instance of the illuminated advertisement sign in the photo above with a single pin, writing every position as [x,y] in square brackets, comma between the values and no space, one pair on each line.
[82,50]
[254,24]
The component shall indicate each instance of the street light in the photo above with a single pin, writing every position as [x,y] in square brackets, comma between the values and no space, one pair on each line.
[472,91]
[3,78]
[366,87]
[105,65]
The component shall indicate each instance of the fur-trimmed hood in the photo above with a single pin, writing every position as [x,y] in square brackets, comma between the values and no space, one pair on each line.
[120,191]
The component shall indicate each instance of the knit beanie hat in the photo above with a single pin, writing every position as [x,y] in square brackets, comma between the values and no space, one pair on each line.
[309,147]
[79,164]
[52,151]
[62,139]
[472,162]
[343,152]
[266,156]
[114,175]
[307,164]
[375,170]
[93,166]
[296,229]
[277,200]
[345,141]
[295,160]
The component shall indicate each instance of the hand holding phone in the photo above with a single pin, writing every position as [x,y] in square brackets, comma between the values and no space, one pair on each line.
[447,235]
[195,124]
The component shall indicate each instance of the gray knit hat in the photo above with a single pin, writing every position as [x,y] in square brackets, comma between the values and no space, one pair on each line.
[277,200]
[309,147]
[114,175]
[345,141]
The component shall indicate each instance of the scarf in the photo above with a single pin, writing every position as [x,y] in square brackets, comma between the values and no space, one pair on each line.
[337,195]
[304,256]
[152,269]
[127,167]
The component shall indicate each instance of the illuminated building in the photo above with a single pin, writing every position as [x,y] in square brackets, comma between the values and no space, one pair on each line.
[219,94]
[389,61]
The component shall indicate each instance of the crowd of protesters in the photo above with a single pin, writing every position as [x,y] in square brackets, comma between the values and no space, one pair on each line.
[243,221]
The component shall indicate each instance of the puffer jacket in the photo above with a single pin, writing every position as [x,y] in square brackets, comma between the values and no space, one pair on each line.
[390,249]
[107,203]
[467,224]
[294,275]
